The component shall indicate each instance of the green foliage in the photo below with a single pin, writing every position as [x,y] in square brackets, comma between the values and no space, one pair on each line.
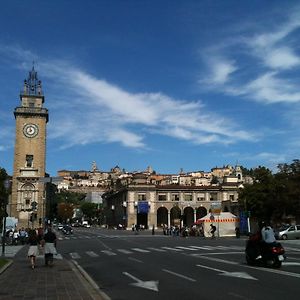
[273,197]
[65,211]
[69,197]
[89,210]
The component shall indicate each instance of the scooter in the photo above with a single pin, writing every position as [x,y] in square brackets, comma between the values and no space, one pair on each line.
[267,255]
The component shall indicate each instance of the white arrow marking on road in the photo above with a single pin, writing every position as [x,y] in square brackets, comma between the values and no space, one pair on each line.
[150,285]
[230,274]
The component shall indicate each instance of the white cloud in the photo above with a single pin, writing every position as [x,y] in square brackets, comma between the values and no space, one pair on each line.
[263,60]
[92,110]
[271,89]
[282,58]
[107,113]
[219,71]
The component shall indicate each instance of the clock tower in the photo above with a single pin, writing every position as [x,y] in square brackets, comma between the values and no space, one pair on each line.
[28,191]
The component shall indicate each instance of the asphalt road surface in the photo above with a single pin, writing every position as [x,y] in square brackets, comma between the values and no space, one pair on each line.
[129,266]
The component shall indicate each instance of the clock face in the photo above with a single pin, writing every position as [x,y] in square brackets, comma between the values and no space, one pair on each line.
[30,130]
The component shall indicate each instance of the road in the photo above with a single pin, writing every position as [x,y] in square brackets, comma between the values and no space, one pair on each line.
[129,266]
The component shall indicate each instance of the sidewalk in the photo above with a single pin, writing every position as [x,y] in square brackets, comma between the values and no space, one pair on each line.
[65,280]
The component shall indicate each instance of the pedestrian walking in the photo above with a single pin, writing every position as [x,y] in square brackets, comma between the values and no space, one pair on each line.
[213,229]
[23,235]
[15,237]
[49,246]
[237,232]
[33,250]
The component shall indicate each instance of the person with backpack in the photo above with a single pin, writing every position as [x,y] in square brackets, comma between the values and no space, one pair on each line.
[213,229]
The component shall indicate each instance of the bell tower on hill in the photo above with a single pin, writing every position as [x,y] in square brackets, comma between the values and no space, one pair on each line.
[28,191]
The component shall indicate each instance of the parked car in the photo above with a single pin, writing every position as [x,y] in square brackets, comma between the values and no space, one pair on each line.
[67,229]
[60,226]
[86,224]
[289,232]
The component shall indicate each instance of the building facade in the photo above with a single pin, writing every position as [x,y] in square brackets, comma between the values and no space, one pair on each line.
[158,205]
[28,189]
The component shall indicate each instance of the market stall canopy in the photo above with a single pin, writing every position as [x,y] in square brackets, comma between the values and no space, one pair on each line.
[225,222]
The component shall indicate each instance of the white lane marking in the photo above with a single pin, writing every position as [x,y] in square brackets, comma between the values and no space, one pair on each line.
[250,267]
[291,263]
[230,274]
[58,256]
[203,247]
[217,259]
[156,249]
[91,254]
[216,253]
[107,252]
[222,247]
[172,249]
[140,250]
[135,259]
[74,255]
[292,249]
[150,285]
[186,248]
[179,275]
[124,251]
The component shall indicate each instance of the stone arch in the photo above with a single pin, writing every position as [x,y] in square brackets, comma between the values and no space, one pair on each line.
[162,216]
[27,196]
[201,212]
[188,216]
[175,214]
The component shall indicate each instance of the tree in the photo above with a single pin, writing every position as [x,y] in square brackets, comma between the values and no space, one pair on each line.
[65,211]
[89,210]
[289,179]
[258,198]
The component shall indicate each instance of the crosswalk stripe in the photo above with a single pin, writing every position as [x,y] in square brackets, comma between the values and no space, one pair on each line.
[203,247]
[91,253]
[222,247]
[156,249]
[124,251]
[74,255]
[172,249]
[140,250]
[292,249]
[110,253]
[186,248]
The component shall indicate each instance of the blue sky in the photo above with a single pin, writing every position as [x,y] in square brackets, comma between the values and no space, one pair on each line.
[171,84]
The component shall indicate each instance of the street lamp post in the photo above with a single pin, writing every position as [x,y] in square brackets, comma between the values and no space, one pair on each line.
[241,187]
[124,213]
[6,186]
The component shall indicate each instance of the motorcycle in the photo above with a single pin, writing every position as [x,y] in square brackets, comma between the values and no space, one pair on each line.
[267,255]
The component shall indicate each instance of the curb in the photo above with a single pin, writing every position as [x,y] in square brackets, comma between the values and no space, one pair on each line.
[9,263]
[92,286]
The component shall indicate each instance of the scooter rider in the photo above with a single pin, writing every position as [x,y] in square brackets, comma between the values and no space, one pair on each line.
[268,236]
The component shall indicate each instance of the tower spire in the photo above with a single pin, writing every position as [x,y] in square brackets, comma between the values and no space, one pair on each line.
[32,85]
